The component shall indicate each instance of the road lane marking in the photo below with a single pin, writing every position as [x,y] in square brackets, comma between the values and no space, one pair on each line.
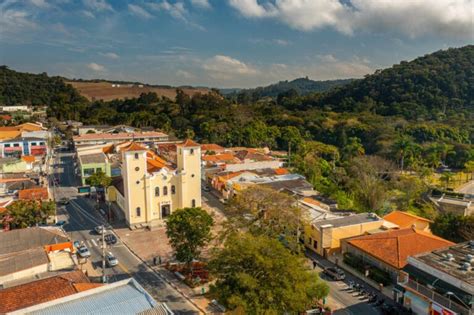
[124,269]
[93,241]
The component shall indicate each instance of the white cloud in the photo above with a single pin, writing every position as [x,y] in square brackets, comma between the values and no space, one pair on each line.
[40,3]
[14,21]
[411,18]
[98,5]
[110,55]
[95,66]
[327,58]
[185,74]
[281,42]
[88,14]
[176,10]
[225,67]
[201,4]
[139,11]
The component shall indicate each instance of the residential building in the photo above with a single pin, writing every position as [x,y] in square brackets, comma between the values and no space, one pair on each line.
[37,193]
[152,187]
[26,163]
[122,297]
[112,138]
[324,236]
[15,108]
[405,220]
[9,185]
[440,282]
[27,253]
[44,290]
[11,132]
[211,148]
[458,206]
[18,147]
[389,250]
[93,163]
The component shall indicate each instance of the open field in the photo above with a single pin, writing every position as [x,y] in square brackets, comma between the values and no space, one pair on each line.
[105,91]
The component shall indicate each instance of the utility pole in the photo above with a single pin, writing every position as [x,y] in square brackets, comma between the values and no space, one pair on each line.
[104,279]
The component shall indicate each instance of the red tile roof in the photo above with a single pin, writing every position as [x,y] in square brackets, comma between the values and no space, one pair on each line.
[211,147]
[28,158]
[224,157]
[281,171]
[404,219]
[134,147]
[41,291]
[188,143]
[393,247]
[40,193]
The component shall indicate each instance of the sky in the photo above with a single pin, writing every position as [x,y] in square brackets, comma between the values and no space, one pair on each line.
[225,43]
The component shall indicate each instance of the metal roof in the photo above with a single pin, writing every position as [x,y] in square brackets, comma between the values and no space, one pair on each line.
[94,158]
[122,297]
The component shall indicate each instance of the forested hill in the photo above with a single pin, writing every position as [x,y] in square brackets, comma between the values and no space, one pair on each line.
[34,89]
[300,86]
[434,84]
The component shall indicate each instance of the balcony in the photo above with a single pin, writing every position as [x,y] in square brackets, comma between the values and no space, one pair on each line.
[434,296]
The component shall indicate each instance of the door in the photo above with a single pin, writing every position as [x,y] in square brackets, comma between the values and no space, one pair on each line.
[165,211]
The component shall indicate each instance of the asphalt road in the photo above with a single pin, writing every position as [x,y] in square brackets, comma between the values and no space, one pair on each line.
[81,218]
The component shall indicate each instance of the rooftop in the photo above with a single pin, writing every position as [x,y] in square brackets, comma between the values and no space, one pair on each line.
[121,297]
[118,136]
[393,247]
[211,147]
[404,219]
[350,220]
[94,158]
[189,143]
[449,260]
[40,193]
[291,185]
[33,293]
[23,260]
[29,238]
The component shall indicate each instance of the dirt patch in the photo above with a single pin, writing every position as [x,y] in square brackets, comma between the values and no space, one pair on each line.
[107,91]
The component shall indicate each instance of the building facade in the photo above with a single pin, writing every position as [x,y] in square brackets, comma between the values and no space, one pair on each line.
[153,188]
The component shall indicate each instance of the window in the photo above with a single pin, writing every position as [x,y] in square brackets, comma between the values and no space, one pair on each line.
[192,175]
[16,145]
[88,171]
[157,191]
[165,190]
[139,212]
[33,143]
[138,182]
[310,241]
[315,244]
[136,156]
[137,168]
[41,143]
[193,203]
[191,151]
[97,170]
[7,145]
[173,189]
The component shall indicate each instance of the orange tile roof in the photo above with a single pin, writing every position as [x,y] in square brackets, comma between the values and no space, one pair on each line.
[211,147]
[28,158]
[134,147]
[312,201]
[81,287]
[188,143]
[281,171]
[393,247]
[404,219]
[40,193]
[41,291]
[224,157]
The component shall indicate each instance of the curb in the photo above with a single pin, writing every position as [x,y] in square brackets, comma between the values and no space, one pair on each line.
[161,276]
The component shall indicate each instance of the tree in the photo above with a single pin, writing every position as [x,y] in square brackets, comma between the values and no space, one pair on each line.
[99,179]
[189,230]
[25,213]
[264,211]
[353,148]
[456,228]
[258,275]
[402,148]
[446,178]
[469,167]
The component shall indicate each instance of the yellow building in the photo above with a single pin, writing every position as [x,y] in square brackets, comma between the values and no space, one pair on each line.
[153,187]
[324,236]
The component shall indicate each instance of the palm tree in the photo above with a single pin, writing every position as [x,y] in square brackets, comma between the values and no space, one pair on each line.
[469,167]
[402,147]
[446,178]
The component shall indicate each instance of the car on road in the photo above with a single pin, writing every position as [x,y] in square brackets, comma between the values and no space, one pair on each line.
[83,251]
[100,229]
[64,201]
[110,239]
[206,188]
[111,260]
[60,223]
[334,273]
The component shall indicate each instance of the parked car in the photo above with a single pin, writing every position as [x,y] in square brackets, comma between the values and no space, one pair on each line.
[206,188]
[60,223]
[64,201]
[100,229]
[110,239]
[83,252]
[111,260]
[334,273]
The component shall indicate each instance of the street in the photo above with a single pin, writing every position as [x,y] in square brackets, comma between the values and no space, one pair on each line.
[81,218]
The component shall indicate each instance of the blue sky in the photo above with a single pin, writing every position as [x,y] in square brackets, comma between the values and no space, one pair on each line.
[225,43]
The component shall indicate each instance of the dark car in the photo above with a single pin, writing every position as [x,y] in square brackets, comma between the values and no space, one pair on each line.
[110,239]
[334,273]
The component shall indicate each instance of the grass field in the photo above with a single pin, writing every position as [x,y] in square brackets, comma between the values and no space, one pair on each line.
[104,91]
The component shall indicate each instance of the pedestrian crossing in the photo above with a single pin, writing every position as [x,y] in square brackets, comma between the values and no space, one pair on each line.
[97,243]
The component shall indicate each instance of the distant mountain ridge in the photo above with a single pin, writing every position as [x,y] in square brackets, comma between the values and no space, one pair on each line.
[302,86]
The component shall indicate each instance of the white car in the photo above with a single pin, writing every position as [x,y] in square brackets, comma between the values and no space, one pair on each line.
[83,252]
[111,260]
[100,229]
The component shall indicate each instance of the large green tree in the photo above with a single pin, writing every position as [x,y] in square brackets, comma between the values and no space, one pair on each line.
[99,179]
[26,213]
[258,275]
[189,230]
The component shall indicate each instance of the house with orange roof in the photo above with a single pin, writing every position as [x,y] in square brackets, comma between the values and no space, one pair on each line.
[152,187]
[211,148]
[39,193]
[405,220]
[110,138]
[389,251]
